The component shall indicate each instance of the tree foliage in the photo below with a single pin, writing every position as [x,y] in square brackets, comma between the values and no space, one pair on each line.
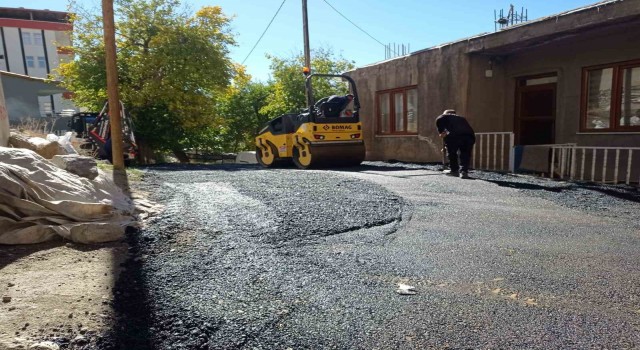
[241,106]
[177,80]
[172,68]
[288,82]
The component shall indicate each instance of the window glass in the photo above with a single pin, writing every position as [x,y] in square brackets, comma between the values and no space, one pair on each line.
[30,62]
[599,83]
[384,113]
[630,97]
[412,108]
[399,111]
[46,109]
[41,62]
[26,38]
[540,81]
[37,39]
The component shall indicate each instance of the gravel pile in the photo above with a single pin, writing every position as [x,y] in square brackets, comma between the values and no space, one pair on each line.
[244,257]
[233,255]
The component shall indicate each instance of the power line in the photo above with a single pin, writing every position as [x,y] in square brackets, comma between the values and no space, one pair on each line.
[355,25]
[263,33]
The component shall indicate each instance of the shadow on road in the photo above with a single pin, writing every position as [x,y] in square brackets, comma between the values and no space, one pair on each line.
[206,167]
[131,324]
[526,186]
[625,193]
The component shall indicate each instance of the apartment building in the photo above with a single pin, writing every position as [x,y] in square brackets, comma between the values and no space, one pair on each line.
[31,44]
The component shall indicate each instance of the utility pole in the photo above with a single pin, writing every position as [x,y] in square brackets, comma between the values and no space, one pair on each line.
[307,53]
[4,119]
[112,85]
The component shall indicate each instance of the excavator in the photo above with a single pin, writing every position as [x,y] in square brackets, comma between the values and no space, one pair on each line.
[327,134]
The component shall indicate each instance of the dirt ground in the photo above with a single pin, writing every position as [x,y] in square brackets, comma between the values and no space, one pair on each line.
[60,291]
[56,290]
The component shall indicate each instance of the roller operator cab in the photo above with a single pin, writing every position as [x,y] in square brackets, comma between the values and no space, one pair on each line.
[327,134]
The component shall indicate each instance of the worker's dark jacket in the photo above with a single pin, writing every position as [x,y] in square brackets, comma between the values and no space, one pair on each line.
[455,125]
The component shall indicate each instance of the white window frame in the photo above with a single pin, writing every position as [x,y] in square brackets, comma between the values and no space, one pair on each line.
[26,38]
[31,63]
[37,39]
[42,62]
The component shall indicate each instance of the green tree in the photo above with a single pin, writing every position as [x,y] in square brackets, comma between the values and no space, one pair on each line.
[288,82]
[172,67]
[241,108]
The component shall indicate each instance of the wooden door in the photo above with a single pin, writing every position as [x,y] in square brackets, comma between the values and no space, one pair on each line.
[535,117]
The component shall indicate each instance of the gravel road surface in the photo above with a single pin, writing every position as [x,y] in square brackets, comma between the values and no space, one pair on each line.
[245,257]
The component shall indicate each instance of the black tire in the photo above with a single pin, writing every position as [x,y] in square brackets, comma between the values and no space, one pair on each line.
[267,161]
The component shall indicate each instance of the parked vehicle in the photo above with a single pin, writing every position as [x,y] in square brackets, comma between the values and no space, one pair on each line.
[328,133]
[95,129]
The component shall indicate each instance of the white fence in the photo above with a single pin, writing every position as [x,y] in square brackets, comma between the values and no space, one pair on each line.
[494,151]
[595,164]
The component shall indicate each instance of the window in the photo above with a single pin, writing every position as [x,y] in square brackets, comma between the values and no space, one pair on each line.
[398,111]
[30,62]
[37,39]
[26,38]
[41,62]
[611,97]
[46,109]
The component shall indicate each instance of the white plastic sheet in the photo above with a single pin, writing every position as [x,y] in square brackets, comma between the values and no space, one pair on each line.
[39,201]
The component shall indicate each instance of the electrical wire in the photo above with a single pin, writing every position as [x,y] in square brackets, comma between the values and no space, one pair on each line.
[355,25]
[263,33]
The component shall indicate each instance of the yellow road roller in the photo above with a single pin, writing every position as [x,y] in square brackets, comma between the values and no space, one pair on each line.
[327,134]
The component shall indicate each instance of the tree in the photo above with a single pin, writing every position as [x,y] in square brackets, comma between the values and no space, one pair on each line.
[172,67]
[241,106]
[288,82]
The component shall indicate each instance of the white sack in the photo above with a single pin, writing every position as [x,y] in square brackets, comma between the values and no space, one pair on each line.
[39,201]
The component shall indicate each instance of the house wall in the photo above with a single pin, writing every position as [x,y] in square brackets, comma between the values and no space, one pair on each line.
[21,98]
[441,80]
[450,77]
[54,36]
[567,57]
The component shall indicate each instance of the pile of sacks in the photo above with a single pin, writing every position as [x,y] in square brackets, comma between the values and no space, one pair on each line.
[40,201]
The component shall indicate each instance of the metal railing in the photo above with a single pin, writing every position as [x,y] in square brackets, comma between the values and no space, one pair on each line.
[494,151]
[592,163]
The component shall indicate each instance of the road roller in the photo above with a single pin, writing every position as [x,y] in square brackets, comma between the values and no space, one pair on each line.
[327,134]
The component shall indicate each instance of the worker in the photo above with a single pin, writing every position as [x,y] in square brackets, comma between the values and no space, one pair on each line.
[459,137]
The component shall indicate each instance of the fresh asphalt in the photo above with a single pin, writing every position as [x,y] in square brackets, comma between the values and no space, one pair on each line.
[251,258]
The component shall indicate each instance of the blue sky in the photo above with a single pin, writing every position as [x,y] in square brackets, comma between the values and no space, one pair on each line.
[417,23]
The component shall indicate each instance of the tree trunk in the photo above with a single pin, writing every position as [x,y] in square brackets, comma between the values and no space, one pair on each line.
[146,155]
[181,155]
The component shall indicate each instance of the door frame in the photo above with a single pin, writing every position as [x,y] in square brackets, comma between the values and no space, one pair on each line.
[519,88]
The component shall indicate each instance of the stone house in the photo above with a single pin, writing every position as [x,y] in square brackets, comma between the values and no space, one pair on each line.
[570,78]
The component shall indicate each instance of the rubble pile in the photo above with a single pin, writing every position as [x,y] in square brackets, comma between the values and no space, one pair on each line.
[45,148]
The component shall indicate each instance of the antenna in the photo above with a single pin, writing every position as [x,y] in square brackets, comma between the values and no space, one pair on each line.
[500,21]
[392,50]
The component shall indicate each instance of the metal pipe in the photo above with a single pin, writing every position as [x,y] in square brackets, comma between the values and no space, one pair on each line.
[553,162]
[629,167]
[615,171]
[604,166]
[502,151]
[495,150]
[593,165]
[584,151]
